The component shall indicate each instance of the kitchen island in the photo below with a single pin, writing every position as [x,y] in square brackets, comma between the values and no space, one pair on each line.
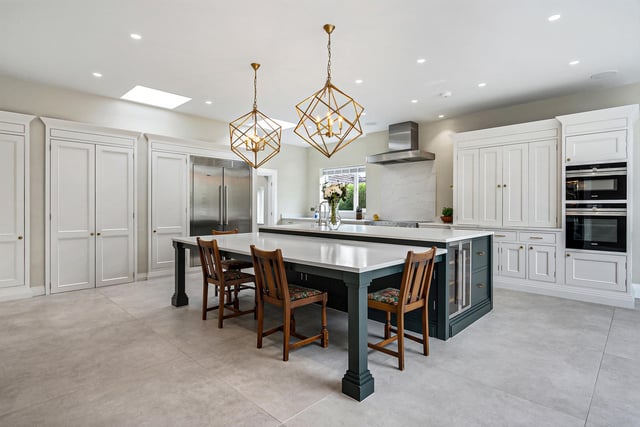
[462,290]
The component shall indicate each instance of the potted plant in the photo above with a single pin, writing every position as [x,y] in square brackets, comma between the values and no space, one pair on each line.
[447,215]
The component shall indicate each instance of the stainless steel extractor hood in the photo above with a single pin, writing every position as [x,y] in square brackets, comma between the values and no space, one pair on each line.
[403,146]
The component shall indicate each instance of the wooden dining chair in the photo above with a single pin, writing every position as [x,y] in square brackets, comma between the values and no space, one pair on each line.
[412,295]
[224,280]
[273,288]
[229,263]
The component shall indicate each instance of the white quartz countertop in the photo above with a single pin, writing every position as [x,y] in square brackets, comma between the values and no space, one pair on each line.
[436,235]
[335,254]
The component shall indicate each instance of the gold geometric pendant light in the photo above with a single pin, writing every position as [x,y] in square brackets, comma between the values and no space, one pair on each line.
[255,137]
[329,119]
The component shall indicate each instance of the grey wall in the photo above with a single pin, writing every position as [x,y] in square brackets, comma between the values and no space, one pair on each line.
[47,101]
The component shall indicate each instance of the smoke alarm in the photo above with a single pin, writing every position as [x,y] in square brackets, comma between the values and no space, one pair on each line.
[446,94]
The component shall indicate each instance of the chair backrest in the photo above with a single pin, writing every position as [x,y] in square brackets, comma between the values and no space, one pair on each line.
[217,233]
[416,278]
[210,260]
[271,279]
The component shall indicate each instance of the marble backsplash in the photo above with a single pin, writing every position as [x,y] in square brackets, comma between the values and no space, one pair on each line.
[408,191]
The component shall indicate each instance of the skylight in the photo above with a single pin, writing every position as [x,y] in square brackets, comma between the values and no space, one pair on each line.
[155,97]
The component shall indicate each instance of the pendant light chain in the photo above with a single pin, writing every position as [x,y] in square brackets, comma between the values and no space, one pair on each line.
[329,61]
[255,90]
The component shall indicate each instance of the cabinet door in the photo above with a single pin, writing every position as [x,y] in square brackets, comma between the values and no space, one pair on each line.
[515,178]
[467,187]
[490,187]
[72,216]
[543,185]
[594,270]
[512,260]
[596,147]
[114,215]
[541,264]
[11,210]
[168,205]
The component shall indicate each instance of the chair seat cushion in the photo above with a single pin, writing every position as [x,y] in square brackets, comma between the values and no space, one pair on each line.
[236,264]
[230,275]
[297,292]
[387,296]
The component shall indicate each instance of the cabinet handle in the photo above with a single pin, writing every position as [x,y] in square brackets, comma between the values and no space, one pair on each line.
[90,234]
[501,235]
[568,159]
[481,253]
[568,255]
[480,285]
[530,248]
[452,262]
[521,247]
[499,186]
[452,282]
[98,234]
[155,231]
[504,185]
[19,237]
[535,238]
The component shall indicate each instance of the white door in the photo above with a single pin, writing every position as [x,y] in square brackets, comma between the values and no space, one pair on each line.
[490,187]
[515,200]
[543,187]
[541,264]
[595,270]
[11,210]
[512,260]
[467,187]
[596,147]
[168,205]
[114,215]
[72,216]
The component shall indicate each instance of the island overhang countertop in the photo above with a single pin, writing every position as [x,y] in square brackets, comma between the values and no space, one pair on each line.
[442,236]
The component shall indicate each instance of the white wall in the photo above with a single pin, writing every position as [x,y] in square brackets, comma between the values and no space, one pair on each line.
[47,101]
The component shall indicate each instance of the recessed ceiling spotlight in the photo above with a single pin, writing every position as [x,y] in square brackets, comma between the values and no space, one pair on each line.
[576,62]
[421,61]
[208,102]
[359,81]
[441,116]
[482,84]
[414,101]
[97,74]
[446,94]
[553,18]
[135,36]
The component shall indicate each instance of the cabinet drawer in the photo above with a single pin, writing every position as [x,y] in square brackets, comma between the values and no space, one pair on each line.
[528,237]
[591,270]
[480,257]
[507,236]
[479,286]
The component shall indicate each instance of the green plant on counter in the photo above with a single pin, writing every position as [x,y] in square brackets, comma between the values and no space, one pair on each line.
[447,211]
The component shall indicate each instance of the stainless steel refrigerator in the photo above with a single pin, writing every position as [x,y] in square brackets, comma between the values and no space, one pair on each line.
[220,196]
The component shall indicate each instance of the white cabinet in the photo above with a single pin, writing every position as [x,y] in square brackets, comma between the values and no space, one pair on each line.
[596,147]
[512,260]
[92,228]
[543,184]
[596,270]
[168,205]
[541,263]
[467,186]
[503,186]
[12,215]
[517,257]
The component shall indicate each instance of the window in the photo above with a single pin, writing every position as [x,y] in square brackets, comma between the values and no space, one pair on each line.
[355,178]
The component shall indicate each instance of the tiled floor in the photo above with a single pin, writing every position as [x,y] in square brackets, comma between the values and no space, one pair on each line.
[124,356]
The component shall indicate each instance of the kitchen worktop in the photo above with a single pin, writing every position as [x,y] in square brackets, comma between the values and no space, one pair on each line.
[436,235]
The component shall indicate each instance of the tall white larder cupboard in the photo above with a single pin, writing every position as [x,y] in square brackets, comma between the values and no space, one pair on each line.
[92,211]
[14,131]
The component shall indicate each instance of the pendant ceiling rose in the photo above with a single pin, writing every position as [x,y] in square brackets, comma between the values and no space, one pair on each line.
[329,119]
[255,137]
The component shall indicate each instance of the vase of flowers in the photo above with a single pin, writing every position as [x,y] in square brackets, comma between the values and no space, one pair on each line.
[334,194]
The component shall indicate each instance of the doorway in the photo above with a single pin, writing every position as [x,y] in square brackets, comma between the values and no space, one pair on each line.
[266,197]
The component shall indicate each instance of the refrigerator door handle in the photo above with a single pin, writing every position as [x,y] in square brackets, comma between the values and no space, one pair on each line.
[226,205]
[220,203]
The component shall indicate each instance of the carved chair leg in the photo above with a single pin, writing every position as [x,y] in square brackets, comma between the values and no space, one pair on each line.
[400,321]
[205,297]
[236,303]
[387,326]
[325,332]
[221,296]
[287,333]
[260,310]
[293,322]
[425,331]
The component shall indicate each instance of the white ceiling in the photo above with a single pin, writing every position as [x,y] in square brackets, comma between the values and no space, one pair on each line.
[202,49]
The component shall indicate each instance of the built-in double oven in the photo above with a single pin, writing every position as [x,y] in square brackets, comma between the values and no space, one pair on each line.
[596,207]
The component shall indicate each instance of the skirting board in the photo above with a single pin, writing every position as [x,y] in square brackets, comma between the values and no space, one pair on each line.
[623,300]
[17,292]
[636,290]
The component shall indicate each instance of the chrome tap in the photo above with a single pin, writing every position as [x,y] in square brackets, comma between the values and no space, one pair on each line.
[321,210]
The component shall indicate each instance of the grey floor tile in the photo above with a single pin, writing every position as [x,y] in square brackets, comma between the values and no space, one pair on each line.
[178,393]
[624,337]
[617,394]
